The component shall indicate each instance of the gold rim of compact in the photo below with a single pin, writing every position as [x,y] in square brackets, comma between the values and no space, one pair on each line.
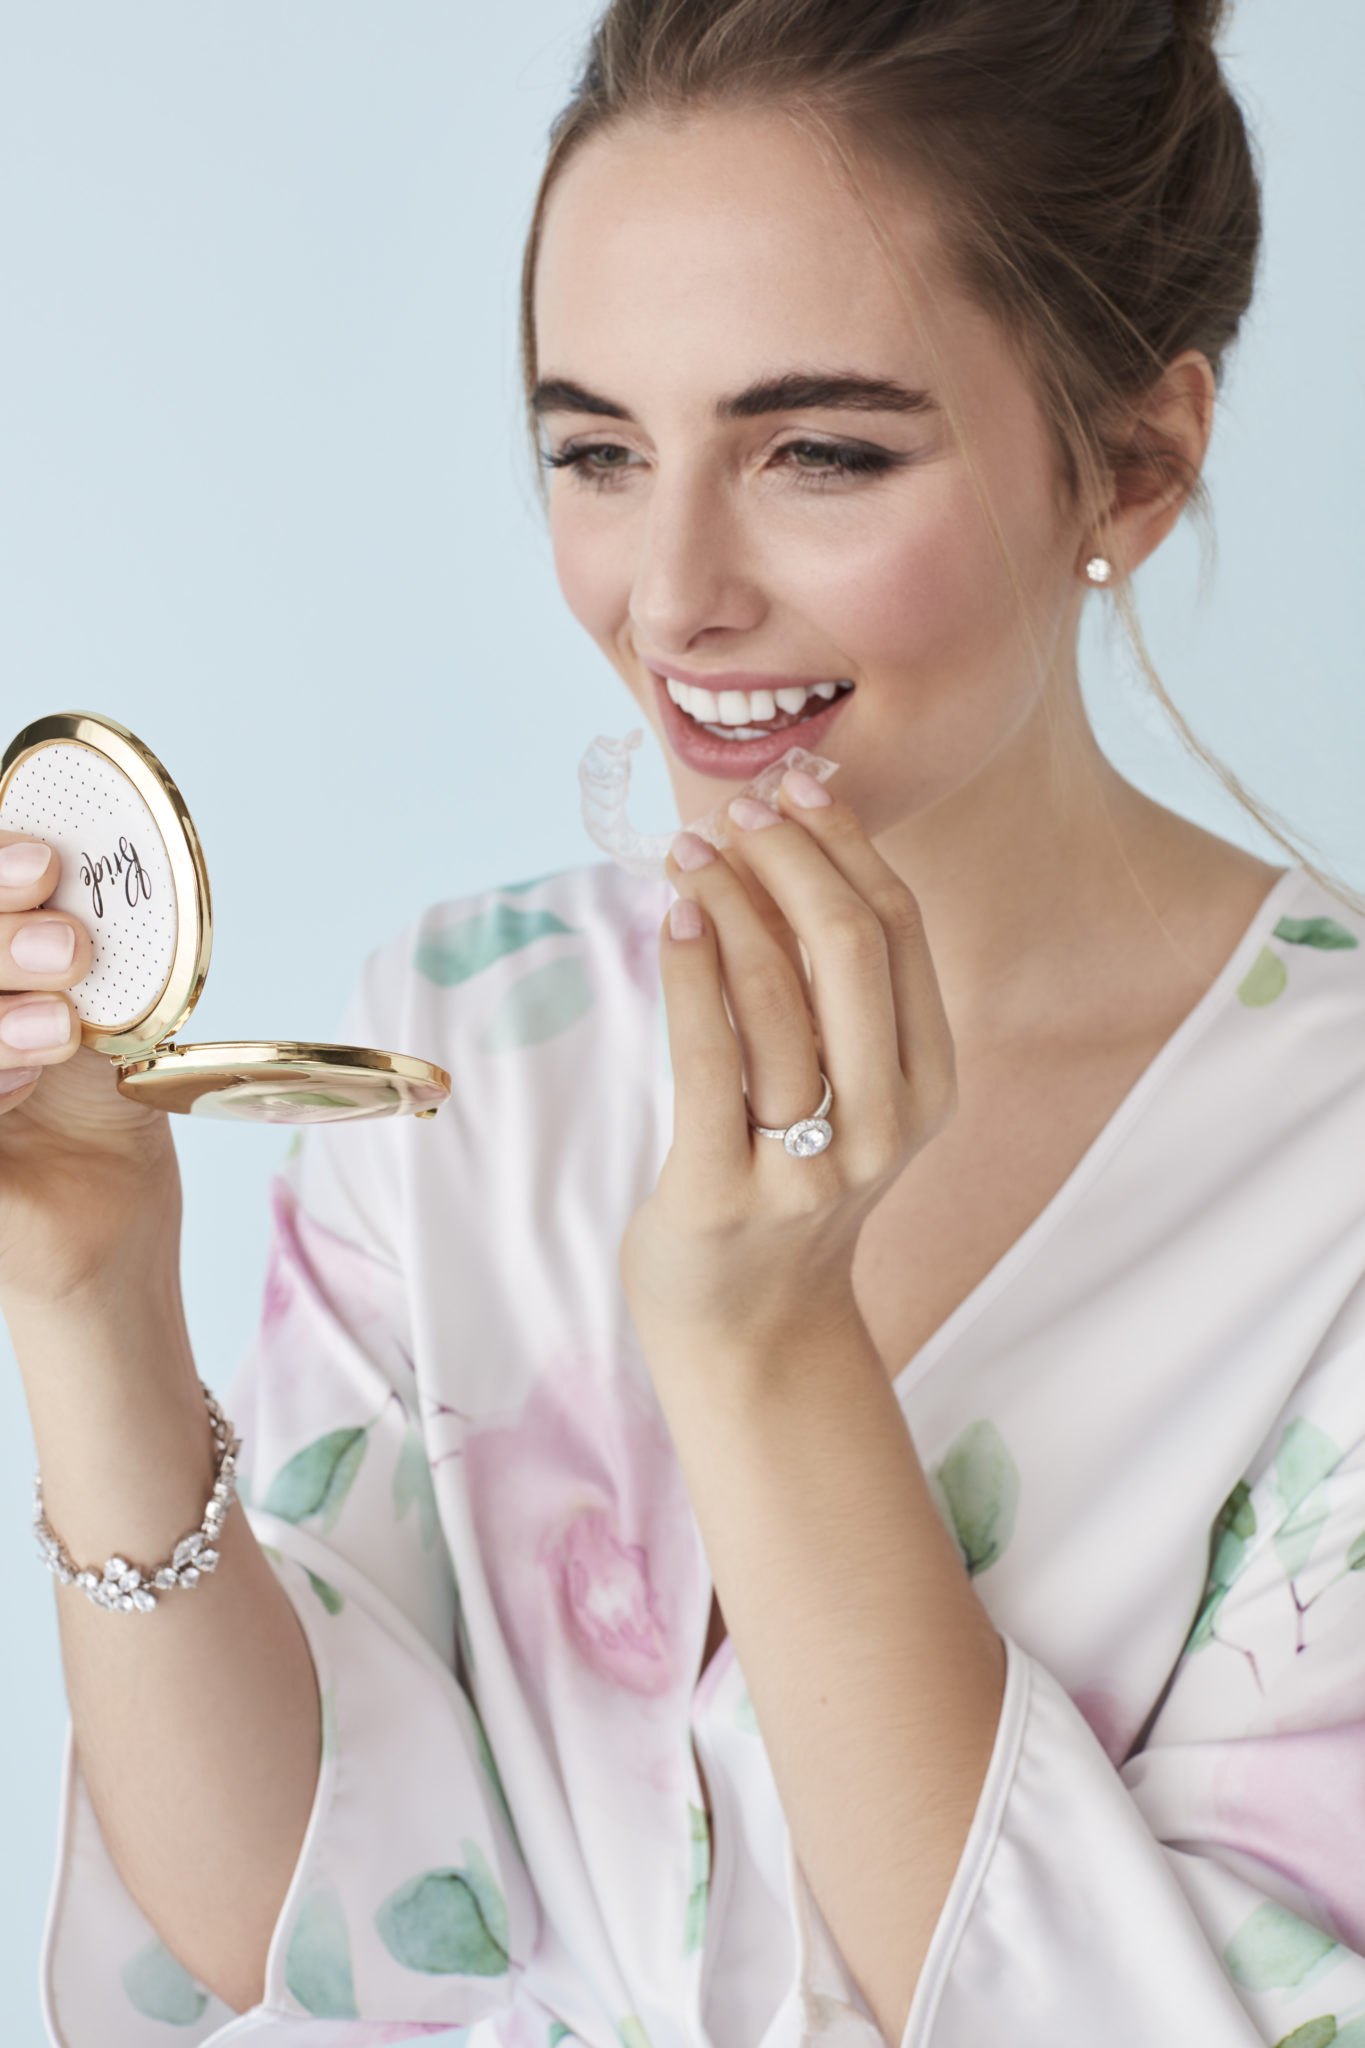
[262,1081]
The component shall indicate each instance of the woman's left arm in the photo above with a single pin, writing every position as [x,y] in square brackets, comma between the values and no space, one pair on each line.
[875,1672]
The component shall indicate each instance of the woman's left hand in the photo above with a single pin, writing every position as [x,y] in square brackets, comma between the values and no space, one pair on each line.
[741,1245]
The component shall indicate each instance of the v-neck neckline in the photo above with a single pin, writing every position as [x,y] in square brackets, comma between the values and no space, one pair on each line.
[1025,1247]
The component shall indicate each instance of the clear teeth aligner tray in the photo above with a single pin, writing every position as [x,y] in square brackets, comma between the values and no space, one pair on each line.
[604,779]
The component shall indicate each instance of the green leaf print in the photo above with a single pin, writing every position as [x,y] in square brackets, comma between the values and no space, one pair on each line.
[1265,979]
[558,2031]
[694,1927]
[632,2033]
[1323,932]
[1202,1632]
[1305,1458]
[318,1478]
[318,1966]
[328,1594]
[1318,2033]
[448,958]
[745,1717]
[448,1922]
[412,1487]
[1234,1529]
[541,1005]
[1355,1556]
[980,1482]
[1273,1949]
[1306,1455]
[1232,1532]
[160,1988]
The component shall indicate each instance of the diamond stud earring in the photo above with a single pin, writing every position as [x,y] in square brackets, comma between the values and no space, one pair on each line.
[1099,569]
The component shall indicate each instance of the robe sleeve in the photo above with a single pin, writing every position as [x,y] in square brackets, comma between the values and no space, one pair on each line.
[1210,1891]
[410,1901]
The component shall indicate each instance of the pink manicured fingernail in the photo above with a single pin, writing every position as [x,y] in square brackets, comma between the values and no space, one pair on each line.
[43,948]
[803,789]
[34,1027]
[17,1078]
[22,863]
[684,919]
[749,813]
[690,852]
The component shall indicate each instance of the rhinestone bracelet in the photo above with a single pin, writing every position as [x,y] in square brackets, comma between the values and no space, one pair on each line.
[122,1588]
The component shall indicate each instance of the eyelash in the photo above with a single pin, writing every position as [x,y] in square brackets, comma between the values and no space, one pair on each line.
[846,459]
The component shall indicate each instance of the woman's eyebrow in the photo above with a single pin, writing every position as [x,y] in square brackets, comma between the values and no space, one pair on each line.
[796,391]
[560,394]
[824,390]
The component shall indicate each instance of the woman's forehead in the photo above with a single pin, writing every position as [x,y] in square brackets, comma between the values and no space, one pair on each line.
[731,230]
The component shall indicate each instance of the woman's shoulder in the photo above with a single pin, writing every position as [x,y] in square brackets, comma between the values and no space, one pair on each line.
[519,966]
[1306,969]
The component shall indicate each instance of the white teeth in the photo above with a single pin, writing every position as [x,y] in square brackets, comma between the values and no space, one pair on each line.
[731,709]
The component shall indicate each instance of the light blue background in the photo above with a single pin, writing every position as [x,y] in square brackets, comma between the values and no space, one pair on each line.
[263,497]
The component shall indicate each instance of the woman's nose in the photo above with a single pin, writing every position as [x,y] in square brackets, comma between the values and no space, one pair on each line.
[690,575]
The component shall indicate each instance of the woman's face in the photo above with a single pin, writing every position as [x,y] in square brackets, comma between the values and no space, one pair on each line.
[757,501]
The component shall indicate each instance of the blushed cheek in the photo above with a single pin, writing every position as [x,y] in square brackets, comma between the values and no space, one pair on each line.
[910,604]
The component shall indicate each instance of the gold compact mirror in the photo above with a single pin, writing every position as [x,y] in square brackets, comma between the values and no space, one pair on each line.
[133,873]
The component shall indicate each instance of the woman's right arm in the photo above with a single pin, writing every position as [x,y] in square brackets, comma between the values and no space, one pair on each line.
[197,1725]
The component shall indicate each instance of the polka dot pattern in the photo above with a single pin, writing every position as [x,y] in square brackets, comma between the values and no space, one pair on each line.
[116,874]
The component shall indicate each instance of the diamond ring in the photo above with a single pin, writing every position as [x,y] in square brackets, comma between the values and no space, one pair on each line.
[808,1135]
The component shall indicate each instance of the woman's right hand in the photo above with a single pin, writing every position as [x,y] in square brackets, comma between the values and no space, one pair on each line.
[88,1179]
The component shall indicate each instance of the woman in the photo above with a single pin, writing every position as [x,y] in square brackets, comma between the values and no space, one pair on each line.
[1016,1431]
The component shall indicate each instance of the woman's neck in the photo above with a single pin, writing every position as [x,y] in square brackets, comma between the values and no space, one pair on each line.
[1053,892]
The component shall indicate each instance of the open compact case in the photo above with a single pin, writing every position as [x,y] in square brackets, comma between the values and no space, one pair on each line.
[133,873]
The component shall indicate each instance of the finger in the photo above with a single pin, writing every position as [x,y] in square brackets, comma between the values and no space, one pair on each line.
[766,998]
[850,969]
[43,949]
[924,1036]
[37,1030]
[774,923]
[709,1114]
[29,872]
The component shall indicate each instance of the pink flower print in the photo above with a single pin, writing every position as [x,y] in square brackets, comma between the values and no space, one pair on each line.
[587,1534]
[1294,1801]
[609,1601]
[279,1284]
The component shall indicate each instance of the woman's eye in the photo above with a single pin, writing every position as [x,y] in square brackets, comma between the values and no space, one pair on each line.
[822,459]
[598,462]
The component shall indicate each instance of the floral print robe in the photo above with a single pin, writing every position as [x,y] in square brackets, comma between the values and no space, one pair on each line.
[1146,1428]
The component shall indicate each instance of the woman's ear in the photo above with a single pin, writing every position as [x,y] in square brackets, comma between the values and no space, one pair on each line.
[1160,455]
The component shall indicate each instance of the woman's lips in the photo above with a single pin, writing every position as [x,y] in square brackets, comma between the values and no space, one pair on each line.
[737,760]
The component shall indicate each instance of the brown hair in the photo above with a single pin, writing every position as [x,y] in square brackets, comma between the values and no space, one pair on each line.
[1089,161]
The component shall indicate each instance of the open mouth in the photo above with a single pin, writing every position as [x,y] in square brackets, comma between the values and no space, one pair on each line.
[753,714]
